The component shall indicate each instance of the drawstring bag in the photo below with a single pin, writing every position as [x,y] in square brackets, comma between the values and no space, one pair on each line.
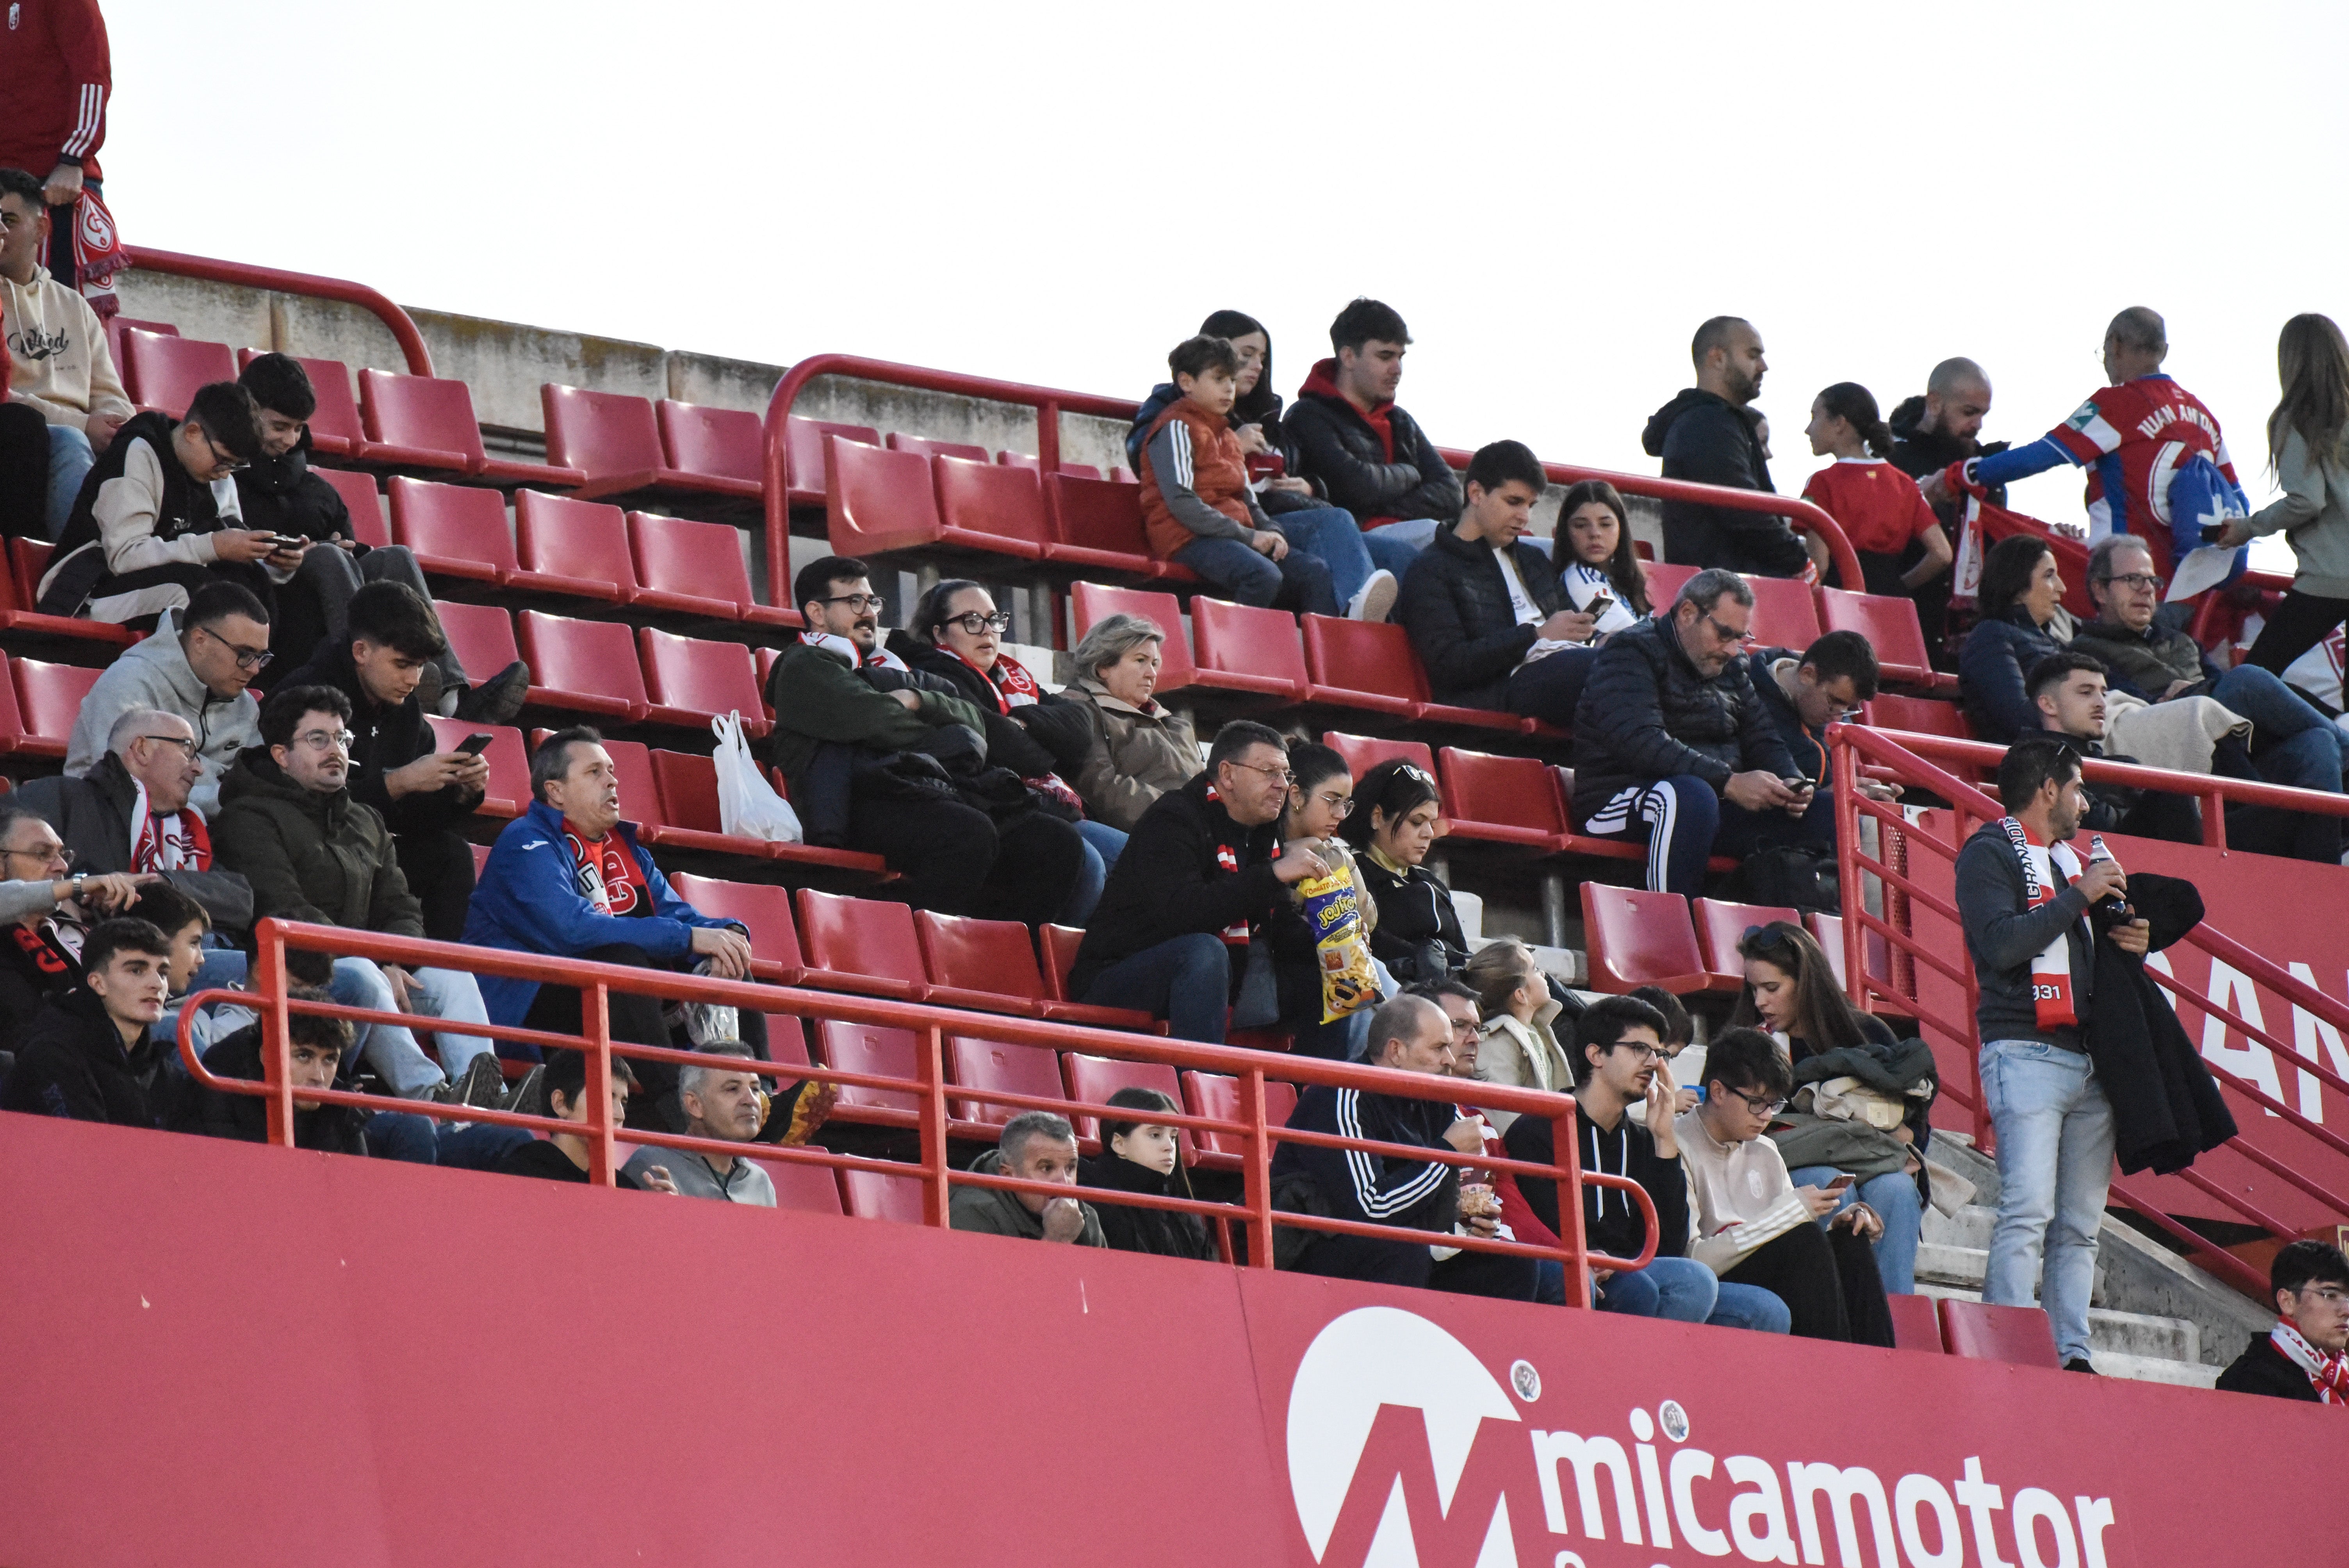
[747,805]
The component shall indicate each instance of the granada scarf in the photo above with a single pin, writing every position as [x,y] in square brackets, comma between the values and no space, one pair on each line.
[608,876]
[849,654]
[177,842]
[2051,972]
[99,254]
[2329,1375]
[1012,686]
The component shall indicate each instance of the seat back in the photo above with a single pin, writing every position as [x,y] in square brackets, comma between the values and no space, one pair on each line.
[428,413]
[1504,791]
[481,636]
[701,676]
[599,433]
[872,937]
[804,448]
[688,784]
[979,1064]
[1637,938]
[967,450]
[453,523]
[363,502]
[335,422]
[509,787]
[1785,614]
[1242,639]
[994,956]
[677,555]
[1217,1094]
[595,658]
[871,1049]
[808,1188]
[30,558]
[1090,601]
[763,910]
[1095,1078]
[566,538]
[161,372]
[1664,584]
[2019,1335]
[1720,925]
[711,443]
[1920,715]
[1022,461]
[1364,752]
[1889,625]
[1827,930]
[877,499]
[1097,514]
[1373,658]
[990,499]
[49,697]
[876,1195]
[1059,944]
[1916,1324]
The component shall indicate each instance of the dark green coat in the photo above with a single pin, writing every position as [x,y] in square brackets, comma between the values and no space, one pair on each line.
[817,698]
[321,858]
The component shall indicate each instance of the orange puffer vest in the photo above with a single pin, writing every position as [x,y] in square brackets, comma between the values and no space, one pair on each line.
[1218,476]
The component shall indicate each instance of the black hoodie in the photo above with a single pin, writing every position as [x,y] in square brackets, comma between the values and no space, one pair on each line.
[71,1062]
[1705,438]
[1166,1233]
[282,495]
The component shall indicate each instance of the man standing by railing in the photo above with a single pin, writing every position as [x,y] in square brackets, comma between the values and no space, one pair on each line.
[2025,900]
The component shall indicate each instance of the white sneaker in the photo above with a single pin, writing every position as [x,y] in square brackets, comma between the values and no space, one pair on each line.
[1375,599]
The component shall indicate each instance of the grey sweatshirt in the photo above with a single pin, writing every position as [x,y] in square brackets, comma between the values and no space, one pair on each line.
[2003,933]
[2313,512]
[20,899]
[155,674]
[1170,461]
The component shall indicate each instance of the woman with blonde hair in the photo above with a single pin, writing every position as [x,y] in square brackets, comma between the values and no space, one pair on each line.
[1518,1047]
[2308,448]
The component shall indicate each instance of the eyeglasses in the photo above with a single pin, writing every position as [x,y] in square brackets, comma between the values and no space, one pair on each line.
[1280,775]
[221,458]
[973,623]
[1726,633]
[46,855]
[2144,579]
[1758,1104]
[857,603]
[184,742]
[1339,805]
[325,740]
[247,658]
[1648,1052]
[2329,1294]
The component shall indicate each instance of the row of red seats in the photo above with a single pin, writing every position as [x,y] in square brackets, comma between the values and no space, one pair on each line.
[1791,614]
[605,670]
[1637,938]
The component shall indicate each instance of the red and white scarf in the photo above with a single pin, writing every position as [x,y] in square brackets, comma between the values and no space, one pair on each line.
[2327,1374]
[1012,686]
[2051,972]
[608,876]
[849,654]
[99,254]
[175,842]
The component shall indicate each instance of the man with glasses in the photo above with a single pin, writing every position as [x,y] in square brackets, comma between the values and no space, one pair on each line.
[877,758]
[198,665]
[1673,747]
[145,534]
[49,905]
[2306,1355]
[1804,694]
[1186,901]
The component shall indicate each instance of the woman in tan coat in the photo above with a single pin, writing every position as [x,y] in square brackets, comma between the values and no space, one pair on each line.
[1141,748]
[1513,996]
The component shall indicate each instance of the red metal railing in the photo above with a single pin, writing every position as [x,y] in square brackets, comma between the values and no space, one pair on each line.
[1901,755]
[929,1088]
[403,330]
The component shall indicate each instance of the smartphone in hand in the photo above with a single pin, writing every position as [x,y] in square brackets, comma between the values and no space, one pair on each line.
[475,745]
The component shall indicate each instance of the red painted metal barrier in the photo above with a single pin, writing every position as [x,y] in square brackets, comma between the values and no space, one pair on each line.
[929,1086]
[403,329]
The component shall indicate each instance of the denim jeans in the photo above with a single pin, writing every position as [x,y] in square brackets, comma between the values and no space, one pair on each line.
[390,1048]
[2054,1162]
[420,1141]
[1749,1306]
[1334,536]
[70,461]
[1247,576]
[1672,1290]
[2295,745]
[1680,1289]
[1894,1199]
[1185,980]
[1104,843]
[1393,546]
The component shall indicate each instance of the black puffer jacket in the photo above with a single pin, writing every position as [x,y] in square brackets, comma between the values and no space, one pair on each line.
[1345,460]
[1052,735]
[1418,935]
[1646,714]
[1167,1233]
[1918,453]
[1705,438]
[1455,606]
[281,494]
[1993,668]
[71,1063]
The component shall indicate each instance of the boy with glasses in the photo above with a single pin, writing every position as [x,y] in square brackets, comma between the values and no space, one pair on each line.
[2306,1355]
[197,664]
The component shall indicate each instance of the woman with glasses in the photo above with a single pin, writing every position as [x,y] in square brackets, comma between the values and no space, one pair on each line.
[1791,992]
[1393,824]
[2022,622]
[957,633]
[1321,799]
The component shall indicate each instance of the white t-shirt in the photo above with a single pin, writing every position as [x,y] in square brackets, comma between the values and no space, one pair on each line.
[1528,612]
[1584,582]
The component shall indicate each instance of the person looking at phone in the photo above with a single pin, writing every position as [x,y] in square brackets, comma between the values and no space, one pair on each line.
[1598,569]
[199,664]
[1804,693]
[1035,1146]
[423,790]
[1673,746]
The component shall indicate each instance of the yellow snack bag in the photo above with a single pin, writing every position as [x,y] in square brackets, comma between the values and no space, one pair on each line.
[1333,907]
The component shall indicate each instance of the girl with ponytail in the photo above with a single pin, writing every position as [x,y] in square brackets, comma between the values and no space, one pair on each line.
[1900,540]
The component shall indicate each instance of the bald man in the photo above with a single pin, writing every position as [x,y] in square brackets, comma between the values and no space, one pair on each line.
[1929,434]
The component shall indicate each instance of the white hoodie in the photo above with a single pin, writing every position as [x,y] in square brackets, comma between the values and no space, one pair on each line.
[59,361]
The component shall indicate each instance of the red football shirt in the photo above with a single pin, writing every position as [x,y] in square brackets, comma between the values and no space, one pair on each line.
[1879,508]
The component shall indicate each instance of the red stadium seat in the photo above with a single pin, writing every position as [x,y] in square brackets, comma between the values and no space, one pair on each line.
[684,785]
[1215,1094]
[1827,931]
[1665,581]
[1022,461]
[481,636]
[977,1064]
[697,567]
[456,530]
[48,700]
[2019,1335]
[1502,800]
[578,548]
[585,667]
[1365,665]
[872,1049]
[20,577]
[1364,752]
[11,722]
[1059,944]
[334,428]
[509,787]
[1720,927]
[119,326]
[720,448]
[875,1195]
[1243,648]
[692,679]
[363,502]
[1921,714]
[968,451]
[860,945]
[1093,1080]
[987,507]
[1636,938]
[1081,470]
[805,456]
[1785,614]
[763,910]
[1098,523]
[163,373]
[426,421]
[989,965]
[876,500]
[1891,627]
[1916,1326]
[1090,601]
[803,1186]
[610,436]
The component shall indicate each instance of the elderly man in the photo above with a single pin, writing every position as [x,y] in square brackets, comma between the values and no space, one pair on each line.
[1172,932]
[1711,434]
[718,1100]
[199,665]
[1673,746]
[47,908]
[1035,1146]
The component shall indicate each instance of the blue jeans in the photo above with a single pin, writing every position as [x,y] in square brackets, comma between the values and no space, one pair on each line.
[1104,845]
[1333,535]
[1666,1288]
[2054,1162]
[1894,1199]
[70,461]
[420,1140]
[1393,546]
[1247,576]
[1749,1306]
[2294,744]
[1185,980]
[220,967]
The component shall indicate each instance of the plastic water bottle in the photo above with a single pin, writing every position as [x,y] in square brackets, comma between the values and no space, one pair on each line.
[2097,851]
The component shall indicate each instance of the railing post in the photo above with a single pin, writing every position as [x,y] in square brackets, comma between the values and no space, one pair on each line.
[1257,1176]
[277,1058]
[595,1020]
[1846,811]
[1568,1155]
[2214,821]
[930,1073]
[1047,440]
[1985,1133]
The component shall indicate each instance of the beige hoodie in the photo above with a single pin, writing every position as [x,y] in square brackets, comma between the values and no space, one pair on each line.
[57,354]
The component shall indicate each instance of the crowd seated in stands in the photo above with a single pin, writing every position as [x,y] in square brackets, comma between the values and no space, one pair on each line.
[1393,824]
[1711,434]
[1143,1156]
[1599,570]
[49,908]
[2306,1355]
[715,1100]
[199,664]
[315,1050]
[72,385]
[881,758]
[1673,746]
[1360,450]
[1035,1146]
[1900,540]
[1136,747]
[2022,620]
[564,1156]
[86,1054]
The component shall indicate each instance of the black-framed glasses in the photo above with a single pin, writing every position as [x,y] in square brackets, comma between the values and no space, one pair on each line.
[1648,1052]
[1726,633]
[1759,1105]
[184,742]
[47,854]
[247,658]
[2144,580]
[222,459]
[857,603]
[972,622]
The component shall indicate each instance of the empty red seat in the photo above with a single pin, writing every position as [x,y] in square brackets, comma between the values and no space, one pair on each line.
[1915,1325]
[1827,930]
[1636,938]
[163,373]
[1502,800]
[806,453]
[1785,614]
[990,964]
[1985,1333]
[1058,945]
[1891,627]
[334,428]
[480,635]
[987,506]
[456,530]
[578,548]
[967,450]
[586,667]
[1243,648]
[1720,925]
[363,500]
[693,679]
[1364,752]
[681,792]
[21,569]
[763,910]
[877,501]
[697,568]
[610,436]
[1921,715]
[1218,1095]
[721,448]
[1664,584]
[1093,1080]
[426,421]
[508,786]
[977,1064]
[48,700]
[860,945]
[804,1185]
[875,1050]
[876,1195]
[1091,601]
[1023,461]
[119,326]
[1363,664]
[1098,524]
[11,722]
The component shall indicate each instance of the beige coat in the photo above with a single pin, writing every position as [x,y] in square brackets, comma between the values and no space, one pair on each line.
[1528,1056]
[1137,754]
[1744,1197]
[59,361]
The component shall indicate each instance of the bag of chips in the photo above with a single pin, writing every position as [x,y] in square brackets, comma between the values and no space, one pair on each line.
[1333,907]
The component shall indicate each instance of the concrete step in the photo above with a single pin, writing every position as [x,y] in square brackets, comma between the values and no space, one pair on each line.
[2154,1369]
[2133,1336]
[1968,1227]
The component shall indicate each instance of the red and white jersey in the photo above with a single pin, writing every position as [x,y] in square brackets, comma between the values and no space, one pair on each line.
[2131,438]
[1878,508]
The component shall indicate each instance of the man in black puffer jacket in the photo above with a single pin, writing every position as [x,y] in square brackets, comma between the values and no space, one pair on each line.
[1364,453]
[1673,746]
[1708,434]
[1483,607]
[1940,426]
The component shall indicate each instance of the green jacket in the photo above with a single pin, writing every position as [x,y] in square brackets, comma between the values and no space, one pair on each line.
[817,698]
[995,1212]
[321,858]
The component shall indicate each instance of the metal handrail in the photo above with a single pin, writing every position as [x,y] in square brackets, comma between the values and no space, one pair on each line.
[246,274]
[929,1088]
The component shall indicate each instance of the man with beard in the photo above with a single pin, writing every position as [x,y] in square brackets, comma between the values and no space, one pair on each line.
[1710,434]
[1929,434]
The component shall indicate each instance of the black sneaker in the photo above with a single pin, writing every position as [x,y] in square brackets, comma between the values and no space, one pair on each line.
[482,1084]
[498,699]
[522,1097]
[2080,1364]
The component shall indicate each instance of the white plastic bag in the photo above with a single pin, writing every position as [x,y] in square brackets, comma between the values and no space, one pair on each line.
[747,805]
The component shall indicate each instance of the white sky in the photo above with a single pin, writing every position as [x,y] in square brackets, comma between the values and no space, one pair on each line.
[1554,195]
